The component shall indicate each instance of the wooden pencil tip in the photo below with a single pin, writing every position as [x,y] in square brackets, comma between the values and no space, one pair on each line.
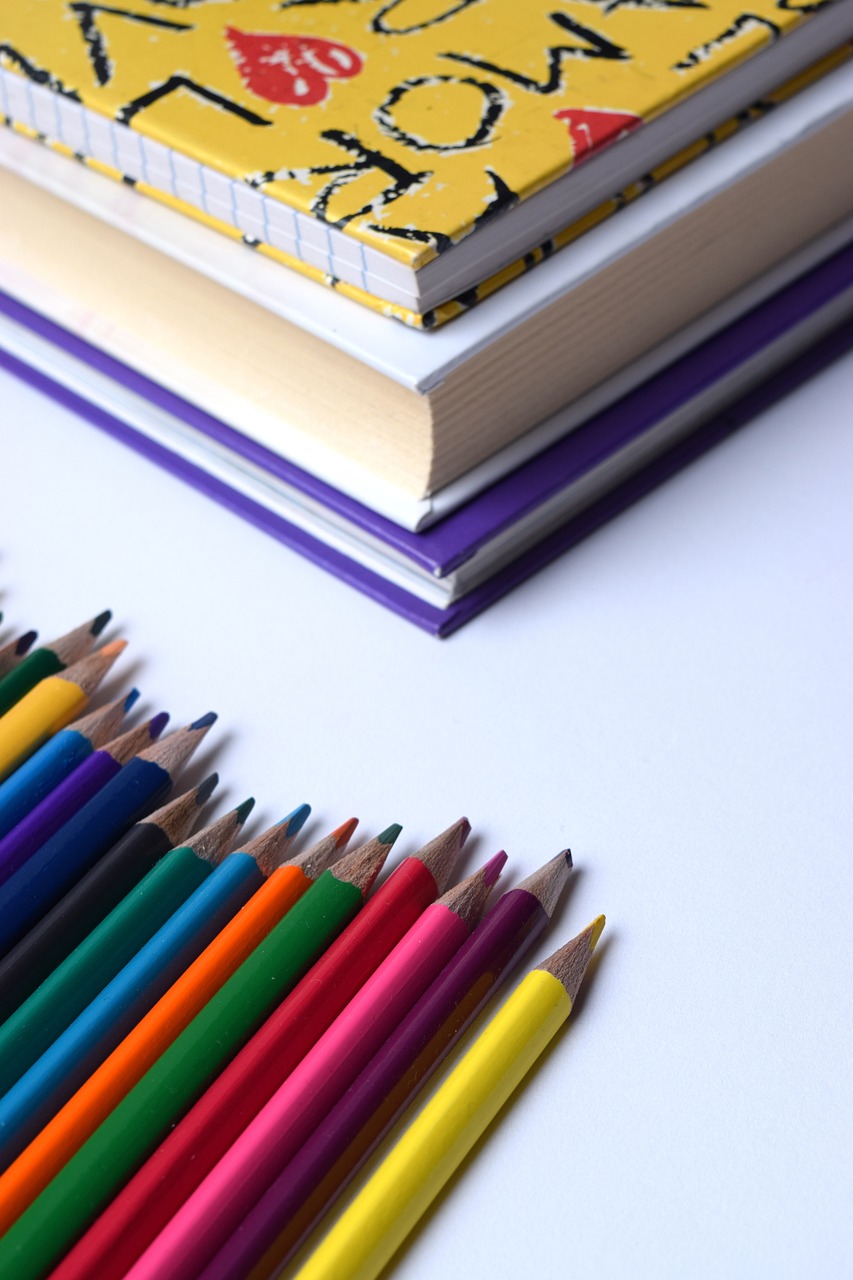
[130,699]
[25,642]
[344,833]
[362,866]
[468,898]
[548,882]
[213,842]
[568,964]
[440,855]
[326,852]
[100,622]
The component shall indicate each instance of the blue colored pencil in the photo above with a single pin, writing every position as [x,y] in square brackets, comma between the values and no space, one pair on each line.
[66,856]
[57,758]
[57,808]
[112,944]
[70,1060]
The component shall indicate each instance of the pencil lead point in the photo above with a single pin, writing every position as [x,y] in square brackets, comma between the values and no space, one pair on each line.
[26,641]
[344,833]
[157,723]
[243,810]
[100,622]
[205,789]
[597,927]
[493,869]
[130,699]
[389,835]
[205,721]
[297,819]
[113,648]
[567,853]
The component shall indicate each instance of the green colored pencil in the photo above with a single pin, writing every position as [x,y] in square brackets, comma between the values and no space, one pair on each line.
[49,660]
[55,1004]
[168,1089]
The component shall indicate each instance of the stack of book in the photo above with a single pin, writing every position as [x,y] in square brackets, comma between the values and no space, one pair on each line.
[460,278]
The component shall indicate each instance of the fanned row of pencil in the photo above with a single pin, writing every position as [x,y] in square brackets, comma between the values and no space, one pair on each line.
[203,1039]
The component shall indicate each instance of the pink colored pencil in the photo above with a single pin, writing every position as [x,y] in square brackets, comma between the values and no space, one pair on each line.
[219,1203]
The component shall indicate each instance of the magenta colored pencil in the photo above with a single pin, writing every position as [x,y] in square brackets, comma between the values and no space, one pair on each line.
[72,793]
[273,1230]
[221,1200]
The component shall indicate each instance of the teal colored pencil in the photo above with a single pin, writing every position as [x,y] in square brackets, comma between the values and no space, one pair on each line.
[43,1089]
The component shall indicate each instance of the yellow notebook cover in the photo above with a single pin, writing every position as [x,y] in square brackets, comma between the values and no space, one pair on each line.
[403,123]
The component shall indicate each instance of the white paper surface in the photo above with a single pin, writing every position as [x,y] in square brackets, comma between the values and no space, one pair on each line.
[674,699]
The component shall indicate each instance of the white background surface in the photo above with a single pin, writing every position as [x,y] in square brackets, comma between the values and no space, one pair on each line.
[674,699]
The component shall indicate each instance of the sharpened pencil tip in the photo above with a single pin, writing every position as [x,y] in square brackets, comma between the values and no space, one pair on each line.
[130,699]
[101,621]
[597,927]
[567,854]
[493,869]
[114,647]
[243,810]
[296,820]
[205,789]
[343,834]
[389,835]
[158,724]
[205,721]
[26,641]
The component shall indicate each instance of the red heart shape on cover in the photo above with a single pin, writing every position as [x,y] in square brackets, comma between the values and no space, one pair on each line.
[591,129]
[295,70]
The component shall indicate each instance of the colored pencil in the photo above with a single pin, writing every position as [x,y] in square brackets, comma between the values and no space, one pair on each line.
[221,1114]
[66,992]
[93,773]
[51,705]
[140,1121]
[343,1141]
[61,861]
[56,758]
[404,1185]
[49,660]
[214,1210]
[13,651]
[94,896]
[222,887]
[173,1012]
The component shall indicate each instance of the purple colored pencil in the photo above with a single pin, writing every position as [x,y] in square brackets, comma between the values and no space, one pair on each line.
[72,793]
[316,1176]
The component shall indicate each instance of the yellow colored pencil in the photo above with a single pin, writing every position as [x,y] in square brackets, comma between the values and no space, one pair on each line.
[389,1205]
[50,705]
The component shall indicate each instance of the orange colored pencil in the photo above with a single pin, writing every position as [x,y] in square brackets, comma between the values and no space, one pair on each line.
[91,1104]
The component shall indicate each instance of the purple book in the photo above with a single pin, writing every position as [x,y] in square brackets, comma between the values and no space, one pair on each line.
[747,366]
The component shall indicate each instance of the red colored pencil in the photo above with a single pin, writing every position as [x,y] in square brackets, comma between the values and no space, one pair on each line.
[174,1170]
